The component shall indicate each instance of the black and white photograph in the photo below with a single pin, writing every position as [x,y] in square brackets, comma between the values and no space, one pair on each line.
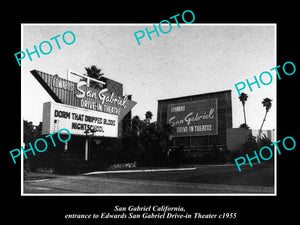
[160,117]
[167,117]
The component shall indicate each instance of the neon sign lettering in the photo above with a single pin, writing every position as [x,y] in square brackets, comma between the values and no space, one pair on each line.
[190,118]
[102,95]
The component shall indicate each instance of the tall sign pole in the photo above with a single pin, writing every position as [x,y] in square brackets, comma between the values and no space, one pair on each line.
[86,153]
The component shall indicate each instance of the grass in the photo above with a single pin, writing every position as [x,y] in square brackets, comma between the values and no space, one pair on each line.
[258,175]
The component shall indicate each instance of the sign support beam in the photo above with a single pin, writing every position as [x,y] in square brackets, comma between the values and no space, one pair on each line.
[86,154]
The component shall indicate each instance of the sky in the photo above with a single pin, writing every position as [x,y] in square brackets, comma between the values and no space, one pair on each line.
[193,59]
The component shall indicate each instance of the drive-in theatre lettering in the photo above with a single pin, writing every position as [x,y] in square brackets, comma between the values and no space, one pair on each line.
[83,95]
[88,107]
[196,118]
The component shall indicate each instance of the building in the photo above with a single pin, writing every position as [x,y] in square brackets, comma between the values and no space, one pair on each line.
[199,123]
[237,137]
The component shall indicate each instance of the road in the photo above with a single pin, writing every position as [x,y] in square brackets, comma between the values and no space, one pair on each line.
[145,183]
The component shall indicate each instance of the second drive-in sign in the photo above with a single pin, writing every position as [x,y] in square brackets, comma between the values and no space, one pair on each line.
[78,120]
[196,118]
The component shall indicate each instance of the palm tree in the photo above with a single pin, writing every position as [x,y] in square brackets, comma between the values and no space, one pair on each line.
[268,104]
[148,116]
[243,125]
[243,98]
[95,73]
[136,125]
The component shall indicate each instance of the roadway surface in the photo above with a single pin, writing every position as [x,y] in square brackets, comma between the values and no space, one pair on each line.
[151,182]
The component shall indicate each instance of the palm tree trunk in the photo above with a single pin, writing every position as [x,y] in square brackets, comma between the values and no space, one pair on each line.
[262,123]
[244,114]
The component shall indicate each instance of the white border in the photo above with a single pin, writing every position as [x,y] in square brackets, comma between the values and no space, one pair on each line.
[160,194]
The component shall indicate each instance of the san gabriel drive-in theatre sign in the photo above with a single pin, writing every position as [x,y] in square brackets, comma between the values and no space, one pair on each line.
[195,118]
[80,106]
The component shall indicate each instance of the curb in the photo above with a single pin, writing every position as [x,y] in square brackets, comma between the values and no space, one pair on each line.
[139,171]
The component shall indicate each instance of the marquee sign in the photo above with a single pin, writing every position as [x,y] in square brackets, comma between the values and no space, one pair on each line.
[196,118]
[77,120]
[107,99]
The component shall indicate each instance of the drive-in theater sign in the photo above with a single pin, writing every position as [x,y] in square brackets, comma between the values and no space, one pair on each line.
[105,99]
[78,120]
[195,118]
[82,108]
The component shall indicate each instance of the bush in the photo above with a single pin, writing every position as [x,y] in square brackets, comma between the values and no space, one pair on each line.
[250,145]
[265,141]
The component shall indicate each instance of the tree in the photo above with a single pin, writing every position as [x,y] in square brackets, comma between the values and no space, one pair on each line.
[147,144]
[268,104]
[136,126]
[243,125]
[94,72]
[250,144]
[148,116]
[29,132]
[243,98]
